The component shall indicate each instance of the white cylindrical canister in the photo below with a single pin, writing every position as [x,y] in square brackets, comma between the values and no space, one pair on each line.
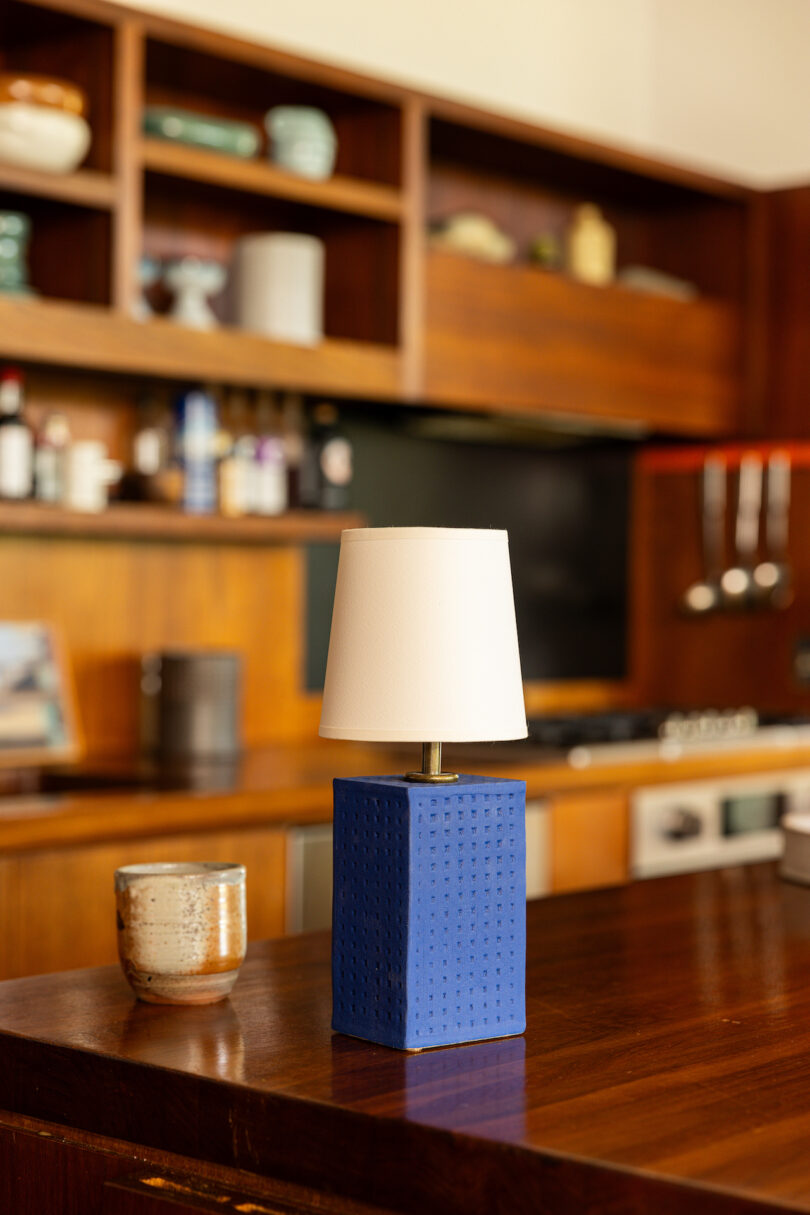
[279,286]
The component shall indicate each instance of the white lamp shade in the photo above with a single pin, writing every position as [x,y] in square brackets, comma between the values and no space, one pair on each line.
[424,644]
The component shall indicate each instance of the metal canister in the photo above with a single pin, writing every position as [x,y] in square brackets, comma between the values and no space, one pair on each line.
[199,704]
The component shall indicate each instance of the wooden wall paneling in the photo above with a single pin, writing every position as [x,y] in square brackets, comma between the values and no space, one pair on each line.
[115,601]
[70,249]
[726,659]
[96,407]
[361,300]
[700,239]
[578,695]
[369,141]
[757,310]
[787,408]
[413,247]
[589,839]
[63,915]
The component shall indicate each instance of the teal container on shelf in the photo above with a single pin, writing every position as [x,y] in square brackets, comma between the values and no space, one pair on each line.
[15,232]
[202,131]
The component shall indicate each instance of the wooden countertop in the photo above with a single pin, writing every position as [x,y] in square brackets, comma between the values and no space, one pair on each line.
[292,784]
[665,1066]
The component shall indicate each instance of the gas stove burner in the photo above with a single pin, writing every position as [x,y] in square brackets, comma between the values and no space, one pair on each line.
[709,725]
[598,729]
[593,729]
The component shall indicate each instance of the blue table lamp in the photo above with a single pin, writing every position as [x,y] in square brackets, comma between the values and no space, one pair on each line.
[429,909]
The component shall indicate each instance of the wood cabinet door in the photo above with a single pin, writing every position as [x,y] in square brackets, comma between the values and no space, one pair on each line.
[520,339]
[61,912]
[589,839]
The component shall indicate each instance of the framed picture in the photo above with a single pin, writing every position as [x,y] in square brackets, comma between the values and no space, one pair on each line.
[37,709]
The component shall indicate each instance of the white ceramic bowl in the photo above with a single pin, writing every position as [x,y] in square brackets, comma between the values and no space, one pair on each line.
[38,137]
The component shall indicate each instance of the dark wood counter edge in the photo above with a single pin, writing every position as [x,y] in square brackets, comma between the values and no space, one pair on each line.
[401,1166]
[300,792]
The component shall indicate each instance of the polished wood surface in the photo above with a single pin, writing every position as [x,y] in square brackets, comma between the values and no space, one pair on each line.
[292,783]
[262,177]
[145,521]
[660,1069]
[520,339]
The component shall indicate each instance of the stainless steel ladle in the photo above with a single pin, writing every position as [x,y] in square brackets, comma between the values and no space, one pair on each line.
[737,583]
[772,577]
[704,596]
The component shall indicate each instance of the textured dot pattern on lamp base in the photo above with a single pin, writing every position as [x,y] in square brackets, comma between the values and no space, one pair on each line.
[429,923]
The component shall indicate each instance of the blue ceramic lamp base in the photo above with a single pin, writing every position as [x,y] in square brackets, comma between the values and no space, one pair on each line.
[429,911]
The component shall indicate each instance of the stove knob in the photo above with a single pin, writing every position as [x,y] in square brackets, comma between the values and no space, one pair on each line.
[683,824]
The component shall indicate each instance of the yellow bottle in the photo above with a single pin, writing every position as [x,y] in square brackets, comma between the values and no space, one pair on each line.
[591,247]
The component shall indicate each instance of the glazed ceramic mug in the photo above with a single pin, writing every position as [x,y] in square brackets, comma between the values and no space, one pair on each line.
[182,930]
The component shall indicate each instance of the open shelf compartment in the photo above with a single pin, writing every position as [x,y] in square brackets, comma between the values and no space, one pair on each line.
[198,78]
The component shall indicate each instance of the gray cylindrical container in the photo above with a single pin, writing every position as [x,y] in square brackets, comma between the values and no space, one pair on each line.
[199,704]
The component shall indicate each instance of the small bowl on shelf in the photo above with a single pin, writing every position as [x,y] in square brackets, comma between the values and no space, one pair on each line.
[42,137]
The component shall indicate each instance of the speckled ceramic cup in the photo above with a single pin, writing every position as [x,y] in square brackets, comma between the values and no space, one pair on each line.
[182,930]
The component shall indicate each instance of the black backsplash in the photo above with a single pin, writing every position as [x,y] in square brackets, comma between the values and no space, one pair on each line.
[566,511]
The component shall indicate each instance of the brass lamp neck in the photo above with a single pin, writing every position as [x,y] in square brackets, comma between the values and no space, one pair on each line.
[431,773]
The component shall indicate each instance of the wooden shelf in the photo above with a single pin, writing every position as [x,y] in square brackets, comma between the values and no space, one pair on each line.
[143,521]
[261,177]
[78,335]
[85,188]
[521,339]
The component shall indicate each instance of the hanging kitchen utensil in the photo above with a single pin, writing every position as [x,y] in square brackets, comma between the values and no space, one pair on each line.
[772,577]
[704,596]
[737,583]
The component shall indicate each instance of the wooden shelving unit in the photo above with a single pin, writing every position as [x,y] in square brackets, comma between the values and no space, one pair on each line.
[259,177]
[144,521]
[81,336]
[401,324]
[85,187]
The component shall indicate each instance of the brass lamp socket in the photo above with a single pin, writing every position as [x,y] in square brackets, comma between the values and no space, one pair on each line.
[431,773]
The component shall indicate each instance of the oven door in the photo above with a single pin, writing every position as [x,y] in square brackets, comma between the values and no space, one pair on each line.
[709,824]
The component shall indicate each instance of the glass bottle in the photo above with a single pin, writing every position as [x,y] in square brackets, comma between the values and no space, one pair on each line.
[16,439]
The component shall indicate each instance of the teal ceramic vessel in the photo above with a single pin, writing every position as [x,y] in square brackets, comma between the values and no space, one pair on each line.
[15,232]
[302,140]
[202,131]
